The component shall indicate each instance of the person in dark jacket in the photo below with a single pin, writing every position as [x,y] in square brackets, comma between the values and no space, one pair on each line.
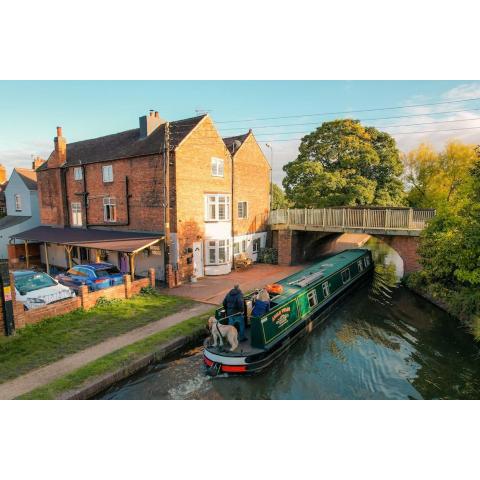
[262,304]
[234,308]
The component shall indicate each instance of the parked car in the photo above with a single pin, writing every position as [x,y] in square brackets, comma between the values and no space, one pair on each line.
[37,289]
[95,275]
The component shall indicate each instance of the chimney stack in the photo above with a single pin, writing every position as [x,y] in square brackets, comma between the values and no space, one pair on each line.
[59,156]
[3,174]
[37,161]
[149,123]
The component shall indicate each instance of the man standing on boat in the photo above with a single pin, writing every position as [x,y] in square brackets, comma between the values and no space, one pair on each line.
[234,307]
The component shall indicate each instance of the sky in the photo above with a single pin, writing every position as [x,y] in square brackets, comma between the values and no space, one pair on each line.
[31,110]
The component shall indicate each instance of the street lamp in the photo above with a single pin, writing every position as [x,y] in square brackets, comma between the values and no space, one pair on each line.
[268,145]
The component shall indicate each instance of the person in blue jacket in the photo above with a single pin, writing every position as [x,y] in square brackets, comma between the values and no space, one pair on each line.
[234,307]
[262,304]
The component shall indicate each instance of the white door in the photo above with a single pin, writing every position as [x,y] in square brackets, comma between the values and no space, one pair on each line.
[198,259]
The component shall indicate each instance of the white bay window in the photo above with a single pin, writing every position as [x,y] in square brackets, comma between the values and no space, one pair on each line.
[218,252]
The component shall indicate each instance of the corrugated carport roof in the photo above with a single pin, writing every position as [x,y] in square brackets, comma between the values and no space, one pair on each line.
[91,238]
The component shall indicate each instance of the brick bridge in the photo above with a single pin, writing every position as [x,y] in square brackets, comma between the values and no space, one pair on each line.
[297,230]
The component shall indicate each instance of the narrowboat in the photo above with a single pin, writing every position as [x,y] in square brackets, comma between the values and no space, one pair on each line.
[299,303]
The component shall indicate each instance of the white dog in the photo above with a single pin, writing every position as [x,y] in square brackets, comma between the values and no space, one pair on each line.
[221,332]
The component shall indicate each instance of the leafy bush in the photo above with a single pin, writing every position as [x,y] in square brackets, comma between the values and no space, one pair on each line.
[268,255]
[148,291]
[104,301]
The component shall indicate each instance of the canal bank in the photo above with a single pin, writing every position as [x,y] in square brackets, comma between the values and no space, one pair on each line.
[171,335]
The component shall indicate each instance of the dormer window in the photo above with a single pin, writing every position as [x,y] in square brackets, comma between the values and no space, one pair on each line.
[217,167]
[18,203]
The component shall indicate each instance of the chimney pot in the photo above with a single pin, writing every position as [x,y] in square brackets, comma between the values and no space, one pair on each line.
[151,113]
[59,131]
[156,114]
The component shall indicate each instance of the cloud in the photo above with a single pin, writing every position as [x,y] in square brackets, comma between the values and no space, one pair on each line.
[22,156]
[460,122]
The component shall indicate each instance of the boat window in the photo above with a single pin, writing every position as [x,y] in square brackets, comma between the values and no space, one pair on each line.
[346,275]
[326,289]
[360,266]
[312,298]
[367,261]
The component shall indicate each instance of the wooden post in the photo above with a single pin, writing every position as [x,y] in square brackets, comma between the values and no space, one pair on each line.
[131,257]
[68,248]
[27,260]
[46,257]
[387,218]
[410,218]
[97,255]
[343,218]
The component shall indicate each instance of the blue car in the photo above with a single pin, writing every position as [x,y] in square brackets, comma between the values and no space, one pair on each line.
[95,275]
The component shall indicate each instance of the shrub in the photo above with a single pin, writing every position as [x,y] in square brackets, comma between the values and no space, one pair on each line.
[104,301]
[268,255]
[148,291]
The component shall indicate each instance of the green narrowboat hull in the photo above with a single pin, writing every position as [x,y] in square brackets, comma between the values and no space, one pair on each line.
[307,297]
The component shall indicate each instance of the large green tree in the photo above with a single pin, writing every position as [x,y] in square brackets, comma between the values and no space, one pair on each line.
[343,162]
[279,199]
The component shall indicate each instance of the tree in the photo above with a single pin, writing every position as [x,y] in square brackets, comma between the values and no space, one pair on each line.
[436,177]
[279,199]
[344,163]
[450,245]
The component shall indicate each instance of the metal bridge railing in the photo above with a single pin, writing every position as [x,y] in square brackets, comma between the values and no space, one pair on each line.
[361,218]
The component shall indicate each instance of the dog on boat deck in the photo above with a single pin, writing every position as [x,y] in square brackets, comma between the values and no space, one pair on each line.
[221,332]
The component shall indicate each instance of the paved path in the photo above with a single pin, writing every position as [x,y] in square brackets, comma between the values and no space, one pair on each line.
[51,372]
[212,289]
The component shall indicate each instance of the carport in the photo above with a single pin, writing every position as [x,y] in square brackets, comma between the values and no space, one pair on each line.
[126,242]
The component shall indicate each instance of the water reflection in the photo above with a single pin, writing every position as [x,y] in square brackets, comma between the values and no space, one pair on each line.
[382,342]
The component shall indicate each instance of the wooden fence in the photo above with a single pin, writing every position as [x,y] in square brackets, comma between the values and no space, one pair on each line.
[353,218]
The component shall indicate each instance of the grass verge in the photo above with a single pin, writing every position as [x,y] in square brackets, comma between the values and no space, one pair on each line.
[116,360]
[50,340]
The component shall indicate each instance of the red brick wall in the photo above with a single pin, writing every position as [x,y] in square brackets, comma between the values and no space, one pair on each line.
[193,179]
[85,300]
[251,184]
[50,197]
[406,247]
[284,242]
[146,188]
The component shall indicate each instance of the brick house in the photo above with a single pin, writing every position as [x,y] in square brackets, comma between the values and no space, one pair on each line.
[99,196]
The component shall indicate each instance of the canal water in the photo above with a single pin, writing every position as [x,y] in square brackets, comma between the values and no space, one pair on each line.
[381,342]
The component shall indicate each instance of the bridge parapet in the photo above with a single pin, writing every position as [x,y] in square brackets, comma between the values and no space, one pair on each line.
[372,220]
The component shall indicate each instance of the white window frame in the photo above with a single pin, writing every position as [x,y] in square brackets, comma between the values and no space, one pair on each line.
[215,247]
[244,208]
[349,276]
[366,261]
[213,206]
[312,298]
[360,266]
[77,173]
[244,245]
[77,214]
[236,248]
[256,242]
[217,166]
[109,202]
[18,202]
[326,289]
[107,173]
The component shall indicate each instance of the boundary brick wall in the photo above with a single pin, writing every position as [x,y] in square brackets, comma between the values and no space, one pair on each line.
[84,299]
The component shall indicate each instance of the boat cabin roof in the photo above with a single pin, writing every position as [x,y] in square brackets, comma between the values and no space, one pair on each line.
[298,281]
